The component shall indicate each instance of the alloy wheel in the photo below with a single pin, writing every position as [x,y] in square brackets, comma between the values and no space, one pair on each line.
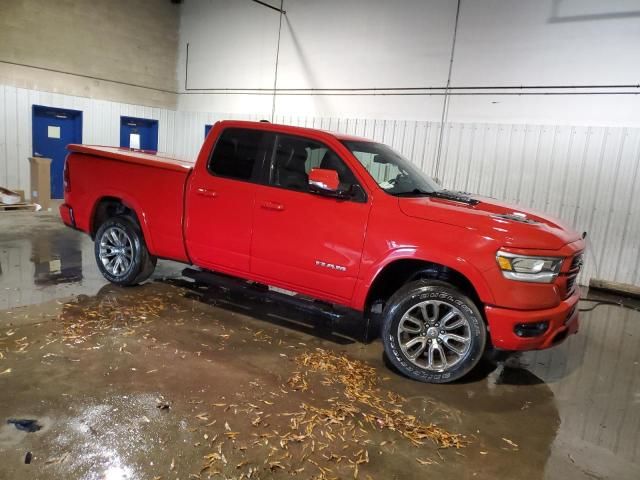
[434,335]
[116,251]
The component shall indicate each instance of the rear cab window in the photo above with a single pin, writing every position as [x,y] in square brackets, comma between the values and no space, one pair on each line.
[239,154]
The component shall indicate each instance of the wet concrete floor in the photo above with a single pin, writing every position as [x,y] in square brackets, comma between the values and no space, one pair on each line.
[175,380]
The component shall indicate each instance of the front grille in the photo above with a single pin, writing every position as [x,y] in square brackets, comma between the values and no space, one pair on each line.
[576,263]
[572,275]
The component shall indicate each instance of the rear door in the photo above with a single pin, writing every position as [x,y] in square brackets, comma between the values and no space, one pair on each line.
[304,241]
[220,201]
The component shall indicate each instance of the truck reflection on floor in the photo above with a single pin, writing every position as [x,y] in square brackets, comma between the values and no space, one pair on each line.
[341,330]
[55,261]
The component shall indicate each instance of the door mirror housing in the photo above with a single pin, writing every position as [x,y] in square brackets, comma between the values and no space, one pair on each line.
[324,181]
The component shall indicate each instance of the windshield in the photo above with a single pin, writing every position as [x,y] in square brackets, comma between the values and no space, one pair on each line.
[392,172]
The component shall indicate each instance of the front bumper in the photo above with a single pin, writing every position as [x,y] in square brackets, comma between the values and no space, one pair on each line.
[562,322]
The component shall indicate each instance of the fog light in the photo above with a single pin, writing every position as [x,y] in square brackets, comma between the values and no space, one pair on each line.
[531,329]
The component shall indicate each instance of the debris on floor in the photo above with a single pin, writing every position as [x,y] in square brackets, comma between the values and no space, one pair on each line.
[360,383]
[25,425]
[330,437]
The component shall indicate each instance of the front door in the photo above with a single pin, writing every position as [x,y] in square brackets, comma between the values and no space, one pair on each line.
[304,241]
[139,133]
[220,202]
[53,130]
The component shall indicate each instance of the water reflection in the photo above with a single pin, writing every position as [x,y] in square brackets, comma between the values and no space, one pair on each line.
[45,264]
[56,260]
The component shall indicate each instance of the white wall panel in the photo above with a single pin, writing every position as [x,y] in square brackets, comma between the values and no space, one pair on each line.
[100,126]
[377,44]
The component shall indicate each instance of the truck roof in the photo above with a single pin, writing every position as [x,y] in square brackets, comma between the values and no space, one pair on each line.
[169,162]
[291,129]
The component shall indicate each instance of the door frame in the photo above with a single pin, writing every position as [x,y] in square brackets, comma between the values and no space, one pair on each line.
[75,115]
[151,121]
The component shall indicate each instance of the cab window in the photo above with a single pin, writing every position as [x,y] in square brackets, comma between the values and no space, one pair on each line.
[294,157]
[239,154]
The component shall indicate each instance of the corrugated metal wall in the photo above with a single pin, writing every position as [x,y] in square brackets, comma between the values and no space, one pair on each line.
[100,126]
[587,176]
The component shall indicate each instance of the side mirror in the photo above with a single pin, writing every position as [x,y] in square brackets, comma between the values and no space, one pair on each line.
[324,181]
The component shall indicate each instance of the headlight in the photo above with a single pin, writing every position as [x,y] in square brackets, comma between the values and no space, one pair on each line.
[528,269]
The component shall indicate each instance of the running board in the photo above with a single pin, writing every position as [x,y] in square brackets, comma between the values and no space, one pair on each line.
[338,315]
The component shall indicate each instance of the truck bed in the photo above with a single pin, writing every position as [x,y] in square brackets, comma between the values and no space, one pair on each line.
[151,184]
[139,157]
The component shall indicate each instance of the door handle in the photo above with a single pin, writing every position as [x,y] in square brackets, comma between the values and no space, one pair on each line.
[206,193]
[273,206]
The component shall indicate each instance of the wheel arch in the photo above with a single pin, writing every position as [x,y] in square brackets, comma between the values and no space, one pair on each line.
[395,272]
[108,206]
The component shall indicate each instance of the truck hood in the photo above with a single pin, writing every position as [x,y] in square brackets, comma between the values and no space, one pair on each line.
[509,225]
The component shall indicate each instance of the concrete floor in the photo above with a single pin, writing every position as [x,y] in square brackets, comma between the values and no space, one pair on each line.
[164,380]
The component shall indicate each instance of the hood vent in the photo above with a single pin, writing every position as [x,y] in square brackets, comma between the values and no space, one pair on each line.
[515,217]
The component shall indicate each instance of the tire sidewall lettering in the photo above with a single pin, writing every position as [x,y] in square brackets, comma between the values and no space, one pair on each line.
[391,320]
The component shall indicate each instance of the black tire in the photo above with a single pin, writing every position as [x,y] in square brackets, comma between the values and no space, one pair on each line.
[432,294]
[141,264]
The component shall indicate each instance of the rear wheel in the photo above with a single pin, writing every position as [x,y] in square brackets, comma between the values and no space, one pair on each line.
[432,332]
[121,253]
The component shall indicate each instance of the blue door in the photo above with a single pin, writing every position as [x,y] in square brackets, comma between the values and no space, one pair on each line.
[139,133]
[207,129]
[52,130]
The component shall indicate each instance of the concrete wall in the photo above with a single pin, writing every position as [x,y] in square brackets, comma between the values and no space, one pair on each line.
[376,44]
[116,50]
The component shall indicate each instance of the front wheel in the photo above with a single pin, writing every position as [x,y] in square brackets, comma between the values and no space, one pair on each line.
[432,332]
[121,253]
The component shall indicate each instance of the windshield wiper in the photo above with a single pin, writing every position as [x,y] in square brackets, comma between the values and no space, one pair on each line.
[412,193]
[444,194]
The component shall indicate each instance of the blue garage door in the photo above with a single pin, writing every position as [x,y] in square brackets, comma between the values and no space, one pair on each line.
[139,133]
[53,130]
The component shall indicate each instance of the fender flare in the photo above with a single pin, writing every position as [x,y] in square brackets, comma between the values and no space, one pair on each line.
[457,263]
[130,203]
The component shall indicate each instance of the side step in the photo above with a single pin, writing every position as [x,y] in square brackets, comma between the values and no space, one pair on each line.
[338,315]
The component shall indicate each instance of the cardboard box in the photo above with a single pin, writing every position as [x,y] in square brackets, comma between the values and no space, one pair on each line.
[41,181]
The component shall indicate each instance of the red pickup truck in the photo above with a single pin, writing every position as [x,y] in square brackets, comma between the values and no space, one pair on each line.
[340,219]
